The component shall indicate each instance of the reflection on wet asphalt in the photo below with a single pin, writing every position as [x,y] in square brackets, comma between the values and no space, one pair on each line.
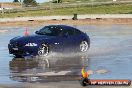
[47,69]
[109,57]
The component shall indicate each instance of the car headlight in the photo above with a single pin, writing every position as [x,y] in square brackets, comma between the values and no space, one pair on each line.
[31,44]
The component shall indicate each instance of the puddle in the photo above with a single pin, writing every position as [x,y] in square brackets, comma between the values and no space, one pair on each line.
[108,57]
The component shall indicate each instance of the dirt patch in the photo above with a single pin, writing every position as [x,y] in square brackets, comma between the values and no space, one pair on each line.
[105,21]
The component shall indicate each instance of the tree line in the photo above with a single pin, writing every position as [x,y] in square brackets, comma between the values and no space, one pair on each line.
[27,2]
[34,3]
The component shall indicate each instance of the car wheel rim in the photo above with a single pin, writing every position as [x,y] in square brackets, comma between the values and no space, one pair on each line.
[43,50]
[83,46]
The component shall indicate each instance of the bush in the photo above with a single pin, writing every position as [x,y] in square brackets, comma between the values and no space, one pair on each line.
[30,3]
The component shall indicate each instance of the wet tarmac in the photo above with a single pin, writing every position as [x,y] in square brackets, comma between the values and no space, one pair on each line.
[109,57]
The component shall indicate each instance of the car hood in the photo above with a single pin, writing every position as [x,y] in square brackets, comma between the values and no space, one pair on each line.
[31,38]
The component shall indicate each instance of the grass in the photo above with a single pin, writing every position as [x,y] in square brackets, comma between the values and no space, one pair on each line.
[102,9]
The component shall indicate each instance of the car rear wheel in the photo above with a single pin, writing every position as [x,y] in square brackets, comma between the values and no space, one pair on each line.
[43,50]
[84,46]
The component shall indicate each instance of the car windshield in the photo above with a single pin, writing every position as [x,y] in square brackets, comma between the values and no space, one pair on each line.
[50,31]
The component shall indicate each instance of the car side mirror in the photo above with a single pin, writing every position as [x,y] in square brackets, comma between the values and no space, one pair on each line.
[36,32]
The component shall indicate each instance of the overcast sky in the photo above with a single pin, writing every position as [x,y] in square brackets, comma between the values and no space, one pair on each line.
[39,1]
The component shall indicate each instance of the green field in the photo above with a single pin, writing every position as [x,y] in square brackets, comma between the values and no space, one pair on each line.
[99,9]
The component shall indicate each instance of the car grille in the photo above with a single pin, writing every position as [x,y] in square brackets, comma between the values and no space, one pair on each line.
[17,52]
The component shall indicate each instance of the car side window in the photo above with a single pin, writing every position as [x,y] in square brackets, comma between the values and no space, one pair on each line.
[50,31]
[55,31]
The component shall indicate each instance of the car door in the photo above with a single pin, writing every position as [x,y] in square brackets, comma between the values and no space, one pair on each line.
[74,38]
[68,39]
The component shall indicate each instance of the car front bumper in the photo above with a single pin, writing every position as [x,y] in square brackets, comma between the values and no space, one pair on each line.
[23,51]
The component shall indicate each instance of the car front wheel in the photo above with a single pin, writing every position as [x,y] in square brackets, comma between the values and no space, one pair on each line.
[84,46]
[43,50]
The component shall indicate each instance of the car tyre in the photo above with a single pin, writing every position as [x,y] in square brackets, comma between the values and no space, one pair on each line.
[84,46]
[43,50]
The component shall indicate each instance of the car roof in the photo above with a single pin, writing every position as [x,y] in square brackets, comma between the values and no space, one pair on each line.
[65,27]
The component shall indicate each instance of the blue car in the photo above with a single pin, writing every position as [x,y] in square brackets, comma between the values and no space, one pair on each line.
[52,38]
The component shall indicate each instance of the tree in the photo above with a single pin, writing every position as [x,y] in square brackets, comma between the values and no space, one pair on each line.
[15,1]
[30,2]
[57,1]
